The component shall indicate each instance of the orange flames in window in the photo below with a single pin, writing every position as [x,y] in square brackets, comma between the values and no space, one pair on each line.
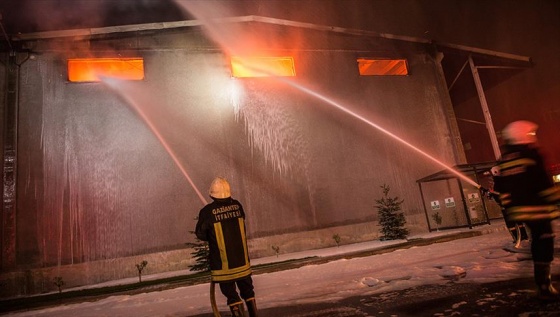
[382,67]
[251,66]
[93,69]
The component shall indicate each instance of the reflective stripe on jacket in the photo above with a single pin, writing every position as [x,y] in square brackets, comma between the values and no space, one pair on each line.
[533,213]
[222,224]
[526,190]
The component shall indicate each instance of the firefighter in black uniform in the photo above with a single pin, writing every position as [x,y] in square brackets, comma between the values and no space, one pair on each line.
[222,224]
[529,195]
[516,229]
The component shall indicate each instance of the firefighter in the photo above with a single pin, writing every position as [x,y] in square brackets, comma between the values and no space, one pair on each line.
[516,229]
[529,195]
[222,224]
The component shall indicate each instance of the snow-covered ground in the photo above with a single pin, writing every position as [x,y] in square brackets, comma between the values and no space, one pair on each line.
[473,260]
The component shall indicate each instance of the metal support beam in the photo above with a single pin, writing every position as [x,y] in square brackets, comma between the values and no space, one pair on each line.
[9,170]
[485,110]
[465,206]
[425,209]
[458,75]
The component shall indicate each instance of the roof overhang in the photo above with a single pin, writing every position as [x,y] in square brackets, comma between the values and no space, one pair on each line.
[465,169]
[92,32]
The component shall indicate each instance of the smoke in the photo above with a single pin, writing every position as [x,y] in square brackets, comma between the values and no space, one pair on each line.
[49,15]
[27,16]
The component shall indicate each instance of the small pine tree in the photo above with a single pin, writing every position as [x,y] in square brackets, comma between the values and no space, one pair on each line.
[391,218]
[200,254]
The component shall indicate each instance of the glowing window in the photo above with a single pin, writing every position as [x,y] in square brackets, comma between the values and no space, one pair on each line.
[262,66]
[93,69]
[382,67]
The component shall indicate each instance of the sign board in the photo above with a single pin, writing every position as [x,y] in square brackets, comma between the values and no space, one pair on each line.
[472,212]
[473,198]
[449,202]
[435,205]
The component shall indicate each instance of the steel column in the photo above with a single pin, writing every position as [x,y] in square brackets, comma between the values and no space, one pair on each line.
[485,110]
[9,170]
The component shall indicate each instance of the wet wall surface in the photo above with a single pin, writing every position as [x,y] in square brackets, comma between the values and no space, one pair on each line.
[96,175]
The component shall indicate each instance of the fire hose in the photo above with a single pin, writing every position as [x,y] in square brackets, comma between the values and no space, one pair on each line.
[215,309]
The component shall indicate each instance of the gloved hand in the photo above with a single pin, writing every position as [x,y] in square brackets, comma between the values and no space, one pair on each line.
[484,191]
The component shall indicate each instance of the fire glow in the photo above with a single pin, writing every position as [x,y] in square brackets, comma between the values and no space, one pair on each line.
[382,67]
[262,66]
[93,69]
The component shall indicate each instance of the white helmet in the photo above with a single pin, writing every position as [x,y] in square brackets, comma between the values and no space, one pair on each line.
[220,188]
[495,171]
[520,132]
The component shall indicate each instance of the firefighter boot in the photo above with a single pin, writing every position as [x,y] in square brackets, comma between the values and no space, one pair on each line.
[237,310]
[513,233]
[545,290]
[523,231]
[252,307]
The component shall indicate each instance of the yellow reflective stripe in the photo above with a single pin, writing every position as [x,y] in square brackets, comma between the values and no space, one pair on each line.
[221,245]
[532,209]
[534,217]
[228,275]
[551,194]
[244,237]
[236,303]
[514,163]
[505,198]
[505,195]
[528,213]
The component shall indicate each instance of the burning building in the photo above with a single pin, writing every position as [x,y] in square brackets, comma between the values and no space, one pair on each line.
[114,134]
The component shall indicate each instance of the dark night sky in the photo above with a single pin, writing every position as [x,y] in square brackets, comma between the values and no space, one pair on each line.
[470,20]
[25,16]
[481,23]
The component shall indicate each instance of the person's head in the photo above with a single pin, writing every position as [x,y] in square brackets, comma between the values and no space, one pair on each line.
[520,132]
[220,188]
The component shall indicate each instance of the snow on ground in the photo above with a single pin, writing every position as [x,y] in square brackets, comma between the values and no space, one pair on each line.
[479,259]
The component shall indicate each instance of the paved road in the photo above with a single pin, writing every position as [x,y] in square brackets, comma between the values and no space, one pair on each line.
[506,298]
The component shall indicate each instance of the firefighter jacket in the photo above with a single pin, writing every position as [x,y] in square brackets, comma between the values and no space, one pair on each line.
[526,191]
[222,224]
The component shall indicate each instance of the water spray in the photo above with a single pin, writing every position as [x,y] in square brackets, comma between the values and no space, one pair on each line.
[231,44]
[112,83]
[361,118]
[225,41]
[378,127]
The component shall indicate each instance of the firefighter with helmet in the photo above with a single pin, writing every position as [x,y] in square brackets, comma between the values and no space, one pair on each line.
[528,195]
[222,224]
[516,229]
